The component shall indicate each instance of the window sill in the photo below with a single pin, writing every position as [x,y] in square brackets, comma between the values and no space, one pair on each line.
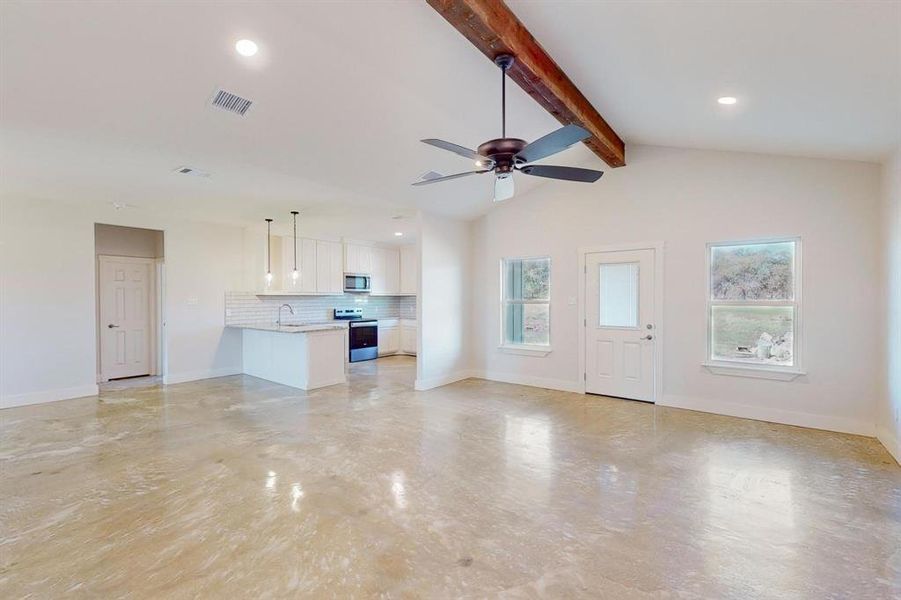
[756,371]
[524,350]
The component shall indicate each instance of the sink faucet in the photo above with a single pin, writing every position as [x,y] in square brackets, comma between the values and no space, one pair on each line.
[288,306]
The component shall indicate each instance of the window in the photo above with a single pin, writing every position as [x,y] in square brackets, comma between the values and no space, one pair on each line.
[754,305]
[526,301]
[618,295]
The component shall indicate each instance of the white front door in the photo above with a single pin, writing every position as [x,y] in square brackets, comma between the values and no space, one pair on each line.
[125,316]
[619,328]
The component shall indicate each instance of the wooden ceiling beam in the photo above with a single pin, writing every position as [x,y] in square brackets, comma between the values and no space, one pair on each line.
[492,27]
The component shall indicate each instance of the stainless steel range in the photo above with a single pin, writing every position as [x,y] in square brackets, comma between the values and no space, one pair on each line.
[363,334]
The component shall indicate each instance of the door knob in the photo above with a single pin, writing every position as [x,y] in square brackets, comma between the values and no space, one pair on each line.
[648,337]
[111,326]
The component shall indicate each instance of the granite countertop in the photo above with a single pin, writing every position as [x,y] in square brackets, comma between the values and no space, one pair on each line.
[293,327]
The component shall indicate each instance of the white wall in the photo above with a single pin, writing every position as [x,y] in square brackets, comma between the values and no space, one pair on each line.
[115,240]
[888,416]
[687,198]
[444,301]
[47,298]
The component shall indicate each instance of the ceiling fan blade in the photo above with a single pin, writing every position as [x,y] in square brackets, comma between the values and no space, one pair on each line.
[483,161]
[567,173]
[503,188]
[552,143]
[448,177]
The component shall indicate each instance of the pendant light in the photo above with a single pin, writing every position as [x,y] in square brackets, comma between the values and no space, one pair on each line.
[268,252]
[294,273]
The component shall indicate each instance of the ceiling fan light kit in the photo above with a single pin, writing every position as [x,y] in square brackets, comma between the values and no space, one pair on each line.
[503,156]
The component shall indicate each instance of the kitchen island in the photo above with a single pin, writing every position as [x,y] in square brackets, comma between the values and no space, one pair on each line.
[305,356]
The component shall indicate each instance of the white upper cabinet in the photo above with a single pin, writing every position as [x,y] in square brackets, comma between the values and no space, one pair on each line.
[385,272]
[409,271]
[319,265]
[377,284]
[392,271]
[357,258]
[329,275]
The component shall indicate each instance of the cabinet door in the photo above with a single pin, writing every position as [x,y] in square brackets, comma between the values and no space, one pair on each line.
[288,260]
[389,342]
[350,258]
[377,281]
[392,272]
[365,259]
[323,262]
[336,269]
[409,270]
[408,339]
[308,263]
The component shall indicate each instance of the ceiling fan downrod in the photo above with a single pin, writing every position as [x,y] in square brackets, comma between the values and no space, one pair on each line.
[504,61]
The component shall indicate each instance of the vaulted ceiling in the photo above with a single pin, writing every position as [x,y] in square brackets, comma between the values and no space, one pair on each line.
[99,102]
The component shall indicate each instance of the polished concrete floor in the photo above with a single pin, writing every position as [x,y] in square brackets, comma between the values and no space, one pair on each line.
[239,488]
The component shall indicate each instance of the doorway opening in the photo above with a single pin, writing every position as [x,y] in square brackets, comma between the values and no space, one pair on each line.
[622,320]
[129,292]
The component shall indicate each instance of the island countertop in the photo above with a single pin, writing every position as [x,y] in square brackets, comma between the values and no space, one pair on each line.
[293,327]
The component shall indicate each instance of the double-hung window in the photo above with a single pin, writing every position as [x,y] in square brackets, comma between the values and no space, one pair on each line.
[754,307]
[526,302]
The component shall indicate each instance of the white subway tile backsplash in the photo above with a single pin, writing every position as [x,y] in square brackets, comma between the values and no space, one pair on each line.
[243,308]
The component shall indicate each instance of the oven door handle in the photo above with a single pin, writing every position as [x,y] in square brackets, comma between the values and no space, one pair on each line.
[364,324]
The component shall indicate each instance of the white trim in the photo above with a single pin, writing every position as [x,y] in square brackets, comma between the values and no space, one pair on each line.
[771,415]
[421,385]
[742,369]
[198,375]
[659,249]
[738,369]
[539,382]
[42,397]
[888,439]
[525,349]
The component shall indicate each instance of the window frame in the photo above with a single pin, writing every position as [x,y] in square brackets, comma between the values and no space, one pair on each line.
[750,369]
[524,349]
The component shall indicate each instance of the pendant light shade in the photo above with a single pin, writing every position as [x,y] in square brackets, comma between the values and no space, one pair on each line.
[268,252]
[295,274]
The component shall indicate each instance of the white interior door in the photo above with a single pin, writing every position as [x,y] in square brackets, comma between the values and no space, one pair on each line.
[619,328]
[126,285]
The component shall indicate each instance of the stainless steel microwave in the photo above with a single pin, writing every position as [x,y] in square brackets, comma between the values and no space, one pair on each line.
[356,282]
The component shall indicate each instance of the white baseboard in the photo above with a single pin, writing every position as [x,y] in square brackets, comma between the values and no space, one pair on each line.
[562,385]
[197,375]
[426,384]
[771,415]
[327,383]
[891,442]
[48,396]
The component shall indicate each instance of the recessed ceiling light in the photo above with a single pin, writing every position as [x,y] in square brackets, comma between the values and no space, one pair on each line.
[727,100]
[398,233]
[246,47]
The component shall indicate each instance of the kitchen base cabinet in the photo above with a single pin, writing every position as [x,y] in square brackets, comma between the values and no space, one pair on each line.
[408,336]
[389,337]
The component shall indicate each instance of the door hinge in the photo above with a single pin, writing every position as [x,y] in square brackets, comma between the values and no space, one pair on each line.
[585,322]
[584,376]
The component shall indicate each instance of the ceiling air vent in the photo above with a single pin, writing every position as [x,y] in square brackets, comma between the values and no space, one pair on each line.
[191,171]
[231,102]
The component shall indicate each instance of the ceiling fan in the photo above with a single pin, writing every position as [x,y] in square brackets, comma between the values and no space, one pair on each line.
[505,155]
